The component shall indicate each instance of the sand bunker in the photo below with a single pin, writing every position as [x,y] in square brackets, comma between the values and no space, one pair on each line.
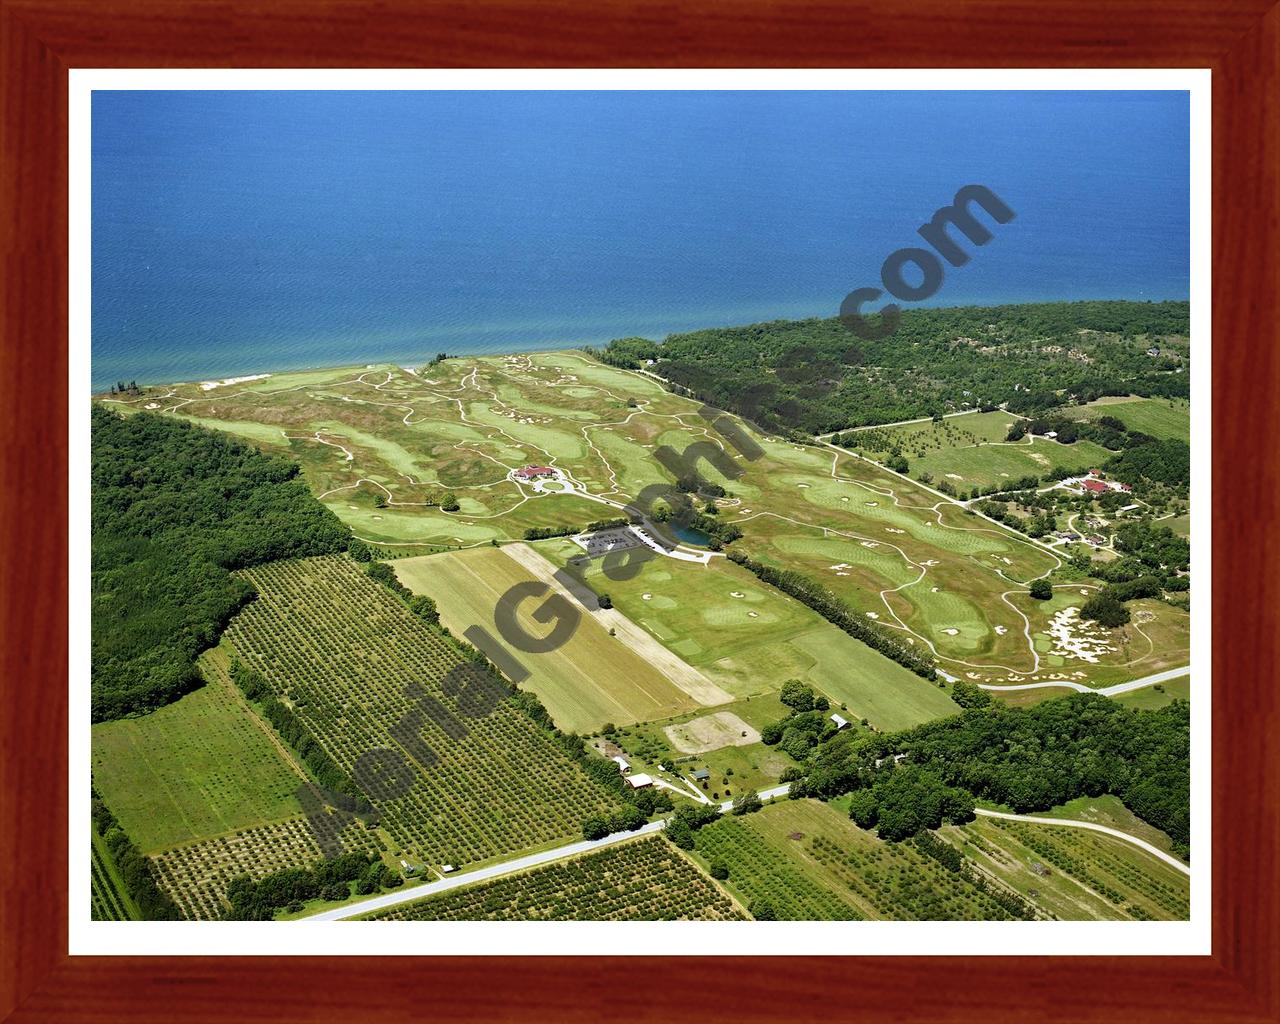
[872,615]
[1001,630]
[736,593]
[646,597]
[753,615]
[952,632]
[711,732]
[955,476]
[1074,637]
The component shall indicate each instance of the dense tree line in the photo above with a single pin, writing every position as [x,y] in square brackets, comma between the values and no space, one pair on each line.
[816,376]
[324,769]
[1029,759]
[688,818]
[835,611]
[955,861]
[175,509]
[290,888]
[420,604]
[903,801]
[135,869]
[1153,460]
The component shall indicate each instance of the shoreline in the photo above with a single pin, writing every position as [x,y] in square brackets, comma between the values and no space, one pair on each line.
[256,370]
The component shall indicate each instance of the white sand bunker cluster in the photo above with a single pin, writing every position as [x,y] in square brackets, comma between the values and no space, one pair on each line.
[209,385]
[1073,637]
[840,568]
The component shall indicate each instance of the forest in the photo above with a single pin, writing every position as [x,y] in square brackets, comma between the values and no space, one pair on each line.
[175,509]
[816,376]
[1028,759]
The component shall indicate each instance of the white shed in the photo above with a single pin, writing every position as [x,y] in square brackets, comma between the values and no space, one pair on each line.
[623,764]
[841,722]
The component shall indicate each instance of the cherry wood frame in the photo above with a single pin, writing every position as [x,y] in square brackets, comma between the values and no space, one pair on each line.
[41,39]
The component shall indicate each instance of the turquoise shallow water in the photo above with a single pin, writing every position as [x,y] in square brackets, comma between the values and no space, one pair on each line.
[239,232]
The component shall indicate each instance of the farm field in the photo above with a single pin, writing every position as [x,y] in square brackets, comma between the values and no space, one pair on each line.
[354,662]
[200,767]
[1111,811]
[110,899]
[1153,697]
[592,679]
[195,876]
[1159,417]
[750,638]
[643,880]
[809,862]
[1074,874]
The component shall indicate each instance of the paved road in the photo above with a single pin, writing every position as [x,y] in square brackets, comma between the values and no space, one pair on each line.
[1154,851]
[417,892]
[1106,691]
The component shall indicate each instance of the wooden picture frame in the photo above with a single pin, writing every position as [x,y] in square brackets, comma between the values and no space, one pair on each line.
[40,40]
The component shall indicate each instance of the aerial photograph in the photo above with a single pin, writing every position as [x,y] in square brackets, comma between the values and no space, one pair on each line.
[640,506]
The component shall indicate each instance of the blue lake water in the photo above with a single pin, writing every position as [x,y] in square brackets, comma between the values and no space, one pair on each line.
[688,535]
[240,232]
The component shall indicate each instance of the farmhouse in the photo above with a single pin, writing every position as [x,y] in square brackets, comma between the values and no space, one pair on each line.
[1094,486]
[623,764]
[841,723]
[639,781]
[702,775]
[534,472]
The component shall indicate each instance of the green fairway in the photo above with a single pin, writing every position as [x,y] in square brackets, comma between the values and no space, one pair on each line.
[1159,417]
[971,451]
[886,545]
[868,684]
[750,638]
[592,679]
[194,769]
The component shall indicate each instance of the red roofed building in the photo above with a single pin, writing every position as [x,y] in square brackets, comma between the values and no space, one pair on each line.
[1094,486]
[533,472]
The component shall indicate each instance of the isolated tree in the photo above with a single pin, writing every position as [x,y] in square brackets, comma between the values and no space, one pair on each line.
[747,803]
[604,601]
[1106,610]
[594,827]
[379,500]
[1041,590]
[863,809]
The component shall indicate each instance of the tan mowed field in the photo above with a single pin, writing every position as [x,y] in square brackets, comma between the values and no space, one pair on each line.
[592,679]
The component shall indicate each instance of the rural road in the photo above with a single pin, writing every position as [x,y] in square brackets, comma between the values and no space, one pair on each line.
[1168,858]
[417,892]
[1106,691]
